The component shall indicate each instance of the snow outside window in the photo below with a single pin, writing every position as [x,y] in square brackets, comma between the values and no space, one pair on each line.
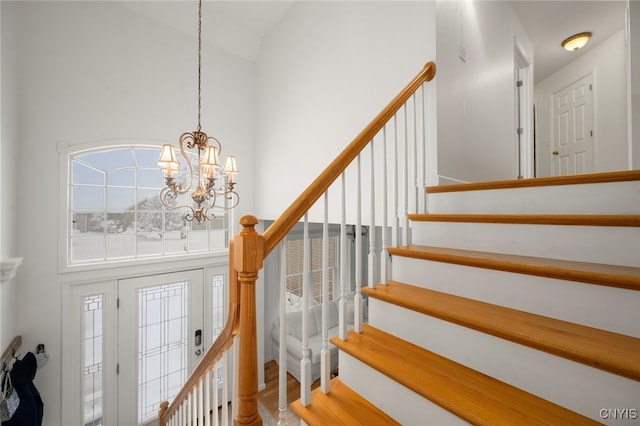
[115,212]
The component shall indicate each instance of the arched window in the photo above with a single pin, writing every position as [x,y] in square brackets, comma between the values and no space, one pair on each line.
[115,213]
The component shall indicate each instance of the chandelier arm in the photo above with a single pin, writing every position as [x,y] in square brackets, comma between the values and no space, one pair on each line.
[233,197]
[190,215]
[211,138]
[190,141]
[227,193]
[170,193]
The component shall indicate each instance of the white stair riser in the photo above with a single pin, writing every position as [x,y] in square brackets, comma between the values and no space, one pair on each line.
[575,386]
[604,198]
[595,244]
[608,308]
[399,402]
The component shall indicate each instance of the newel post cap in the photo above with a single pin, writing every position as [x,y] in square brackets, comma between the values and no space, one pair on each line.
[430,68]
[249,247]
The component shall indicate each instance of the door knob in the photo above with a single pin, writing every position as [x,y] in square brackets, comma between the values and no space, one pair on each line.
[555,152]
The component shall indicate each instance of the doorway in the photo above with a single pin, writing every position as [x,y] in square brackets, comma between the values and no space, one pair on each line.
[523,112]
[133,342]
[160,340]
[572,137]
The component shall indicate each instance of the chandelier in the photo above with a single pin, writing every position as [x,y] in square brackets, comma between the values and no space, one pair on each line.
[211,185]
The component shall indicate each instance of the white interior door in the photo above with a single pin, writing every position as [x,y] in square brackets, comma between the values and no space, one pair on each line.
[161,339]
[573,129]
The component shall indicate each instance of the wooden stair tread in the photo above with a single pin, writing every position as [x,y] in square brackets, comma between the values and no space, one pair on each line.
[472,396]
[592,273]
[341,406]
[608,351]
[620,176]
[533,219]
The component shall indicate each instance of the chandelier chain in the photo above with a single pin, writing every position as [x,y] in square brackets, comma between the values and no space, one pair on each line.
[214,184]
[199,60]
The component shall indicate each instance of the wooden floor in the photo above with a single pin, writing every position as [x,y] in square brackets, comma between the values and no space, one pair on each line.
[269,396]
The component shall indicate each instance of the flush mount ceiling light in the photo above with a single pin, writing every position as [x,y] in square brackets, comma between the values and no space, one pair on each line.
[576,42]
[214,184]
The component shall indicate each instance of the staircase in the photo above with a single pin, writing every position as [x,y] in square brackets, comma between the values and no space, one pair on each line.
[515,303]
[509,303]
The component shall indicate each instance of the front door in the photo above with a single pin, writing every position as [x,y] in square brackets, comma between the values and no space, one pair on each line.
[573,129]
[160,321]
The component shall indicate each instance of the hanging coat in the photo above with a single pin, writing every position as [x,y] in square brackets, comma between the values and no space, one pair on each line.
[31,409]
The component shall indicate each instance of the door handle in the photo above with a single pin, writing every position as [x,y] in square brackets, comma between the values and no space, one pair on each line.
[555,153]
[198,338]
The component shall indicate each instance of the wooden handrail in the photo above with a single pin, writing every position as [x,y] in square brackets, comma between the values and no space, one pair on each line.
[246,257]
[215,352]
[287,220]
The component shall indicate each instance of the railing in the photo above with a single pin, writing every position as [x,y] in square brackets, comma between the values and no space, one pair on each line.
[200,396]
[400,127]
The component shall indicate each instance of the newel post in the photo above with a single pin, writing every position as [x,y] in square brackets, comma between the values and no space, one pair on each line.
[164,406]
[249,256]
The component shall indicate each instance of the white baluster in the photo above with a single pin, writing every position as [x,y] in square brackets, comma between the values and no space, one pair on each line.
[384,257]
[325,356]
[415,175]
[207,398]
[373,264]
[236,374]
[305,363]
[358,307]
[423,183]
[395,224]
[200,403]
[215,397]
[344,303]
[194,405]
[282,350]
[225,388]
[185,412]
[405,182]
[189,409]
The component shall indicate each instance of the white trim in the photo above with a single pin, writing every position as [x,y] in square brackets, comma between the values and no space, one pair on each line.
[71,380]
[445,180]
[67,150]
[524,65]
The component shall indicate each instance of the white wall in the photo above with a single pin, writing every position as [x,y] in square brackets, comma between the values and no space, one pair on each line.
[607,63]
[476,102]
[323,73]
[97,71]
[8,165]
[634,31]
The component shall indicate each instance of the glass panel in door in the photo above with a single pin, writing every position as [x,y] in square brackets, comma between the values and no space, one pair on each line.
[161,326]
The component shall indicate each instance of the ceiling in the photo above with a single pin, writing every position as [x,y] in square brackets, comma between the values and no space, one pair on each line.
[238,26]
[548,23]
